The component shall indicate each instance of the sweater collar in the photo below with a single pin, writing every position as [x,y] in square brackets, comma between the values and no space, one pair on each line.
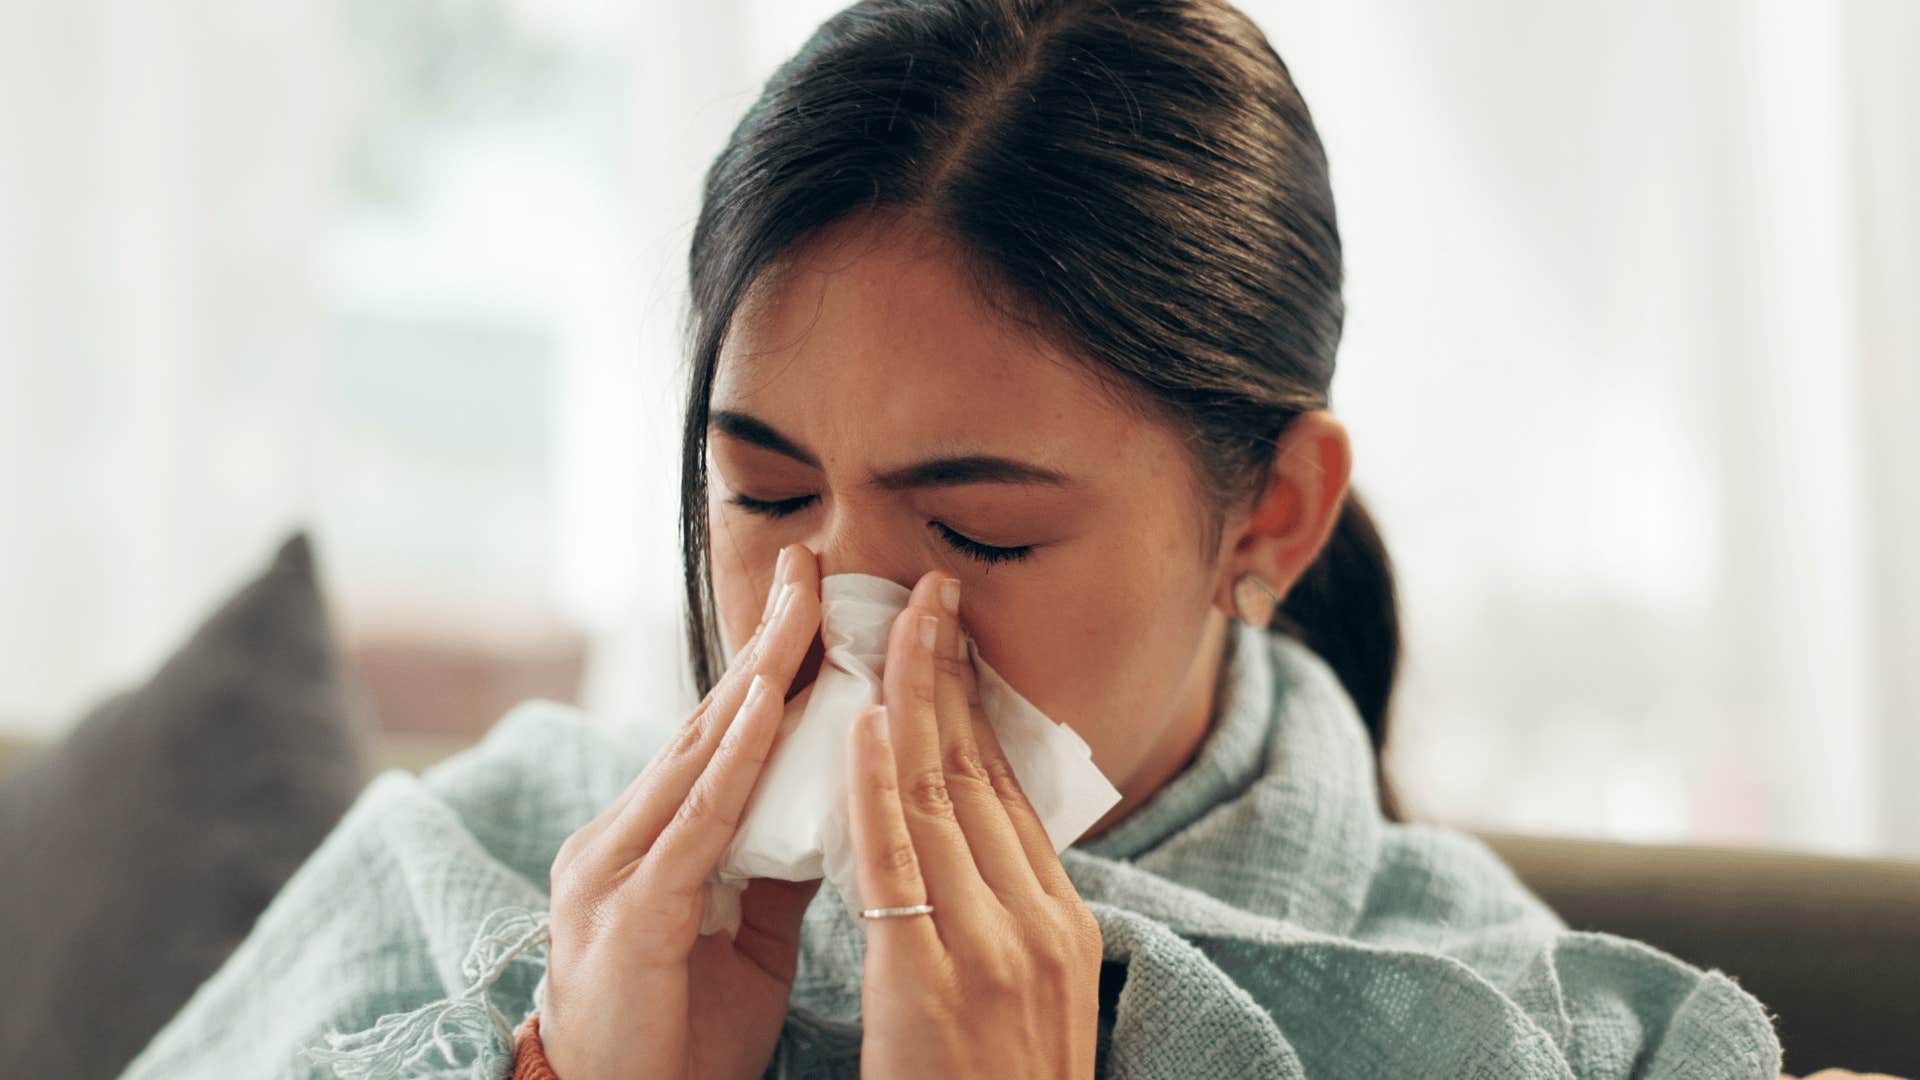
[1277,816]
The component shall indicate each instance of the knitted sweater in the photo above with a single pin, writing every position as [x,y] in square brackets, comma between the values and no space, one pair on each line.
[1258,916]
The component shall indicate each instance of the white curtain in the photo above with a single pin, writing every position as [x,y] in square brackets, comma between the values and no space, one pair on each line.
[162,189]
[1631,360]
[1631,363]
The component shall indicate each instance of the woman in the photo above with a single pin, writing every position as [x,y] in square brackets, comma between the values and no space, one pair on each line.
[1033,305]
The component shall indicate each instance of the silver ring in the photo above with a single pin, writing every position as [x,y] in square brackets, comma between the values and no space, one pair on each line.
[890,912]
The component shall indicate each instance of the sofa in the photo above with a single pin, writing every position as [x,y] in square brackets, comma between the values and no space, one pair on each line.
[1830,945]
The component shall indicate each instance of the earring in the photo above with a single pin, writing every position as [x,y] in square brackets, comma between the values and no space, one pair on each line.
[1254,600]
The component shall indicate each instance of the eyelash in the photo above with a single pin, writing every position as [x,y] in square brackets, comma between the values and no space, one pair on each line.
[972,549]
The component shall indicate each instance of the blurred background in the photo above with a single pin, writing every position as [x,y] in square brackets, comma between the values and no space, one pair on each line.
[1632,367]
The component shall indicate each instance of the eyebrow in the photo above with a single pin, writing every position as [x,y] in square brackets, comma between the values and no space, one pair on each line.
[934,472]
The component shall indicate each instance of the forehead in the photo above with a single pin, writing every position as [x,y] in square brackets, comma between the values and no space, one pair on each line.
[878,333]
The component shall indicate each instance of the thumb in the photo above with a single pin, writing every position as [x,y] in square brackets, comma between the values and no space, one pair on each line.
[770,916]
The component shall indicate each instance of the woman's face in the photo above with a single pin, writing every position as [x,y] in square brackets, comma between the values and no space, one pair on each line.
[842,386]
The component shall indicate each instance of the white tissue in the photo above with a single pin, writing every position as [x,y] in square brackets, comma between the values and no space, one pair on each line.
[795,824]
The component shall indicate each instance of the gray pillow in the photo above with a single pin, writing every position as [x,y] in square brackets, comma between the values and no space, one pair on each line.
[140,850]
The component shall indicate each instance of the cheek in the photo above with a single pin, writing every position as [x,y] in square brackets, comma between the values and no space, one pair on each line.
[742,572]
[1103,654]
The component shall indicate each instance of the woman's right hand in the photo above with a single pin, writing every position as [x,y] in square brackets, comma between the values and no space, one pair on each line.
[633,989]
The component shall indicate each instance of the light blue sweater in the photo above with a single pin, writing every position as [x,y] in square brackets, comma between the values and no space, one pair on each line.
[1260,919]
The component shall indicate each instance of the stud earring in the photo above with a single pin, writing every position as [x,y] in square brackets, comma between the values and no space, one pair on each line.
[1254,600]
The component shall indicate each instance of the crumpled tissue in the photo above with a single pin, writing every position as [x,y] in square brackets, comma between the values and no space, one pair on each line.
[795,824]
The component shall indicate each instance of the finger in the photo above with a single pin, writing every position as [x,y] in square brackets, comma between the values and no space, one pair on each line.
[1002,862]
[954,884]
[1041,857]
[691,844]
[777,656]
[692,733]
[886,865]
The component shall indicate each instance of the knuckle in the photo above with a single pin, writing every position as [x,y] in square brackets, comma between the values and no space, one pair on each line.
[1001,973]
[691,734]
[1086,923]
[565,861]
[570,895]
[702,807]
[751,759]
[1052,961]
[1092,949]
[928,793]
[897,857]
[1083,930]
[964,761]
[569,848]
[763,640]
[560,886]
[1059,950]
[1000,771]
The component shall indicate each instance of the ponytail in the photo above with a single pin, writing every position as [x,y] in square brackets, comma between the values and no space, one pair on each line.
[1345,609]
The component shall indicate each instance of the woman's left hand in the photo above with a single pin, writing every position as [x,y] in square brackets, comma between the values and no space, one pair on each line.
[1002,978]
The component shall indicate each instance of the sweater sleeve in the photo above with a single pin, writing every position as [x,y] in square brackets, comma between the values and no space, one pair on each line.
[529,1056]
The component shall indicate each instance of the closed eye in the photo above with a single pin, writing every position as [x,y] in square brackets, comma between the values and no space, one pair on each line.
[973,549]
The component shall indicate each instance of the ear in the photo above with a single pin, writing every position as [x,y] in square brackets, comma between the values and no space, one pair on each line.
[1286,527]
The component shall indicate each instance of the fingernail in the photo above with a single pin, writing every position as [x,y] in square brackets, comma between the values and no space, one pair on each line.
[950,595]
[785,603]
[929,630]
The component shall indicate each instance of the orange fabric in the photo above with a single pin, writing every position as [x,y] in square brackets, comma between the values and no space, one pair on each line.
[529,1057]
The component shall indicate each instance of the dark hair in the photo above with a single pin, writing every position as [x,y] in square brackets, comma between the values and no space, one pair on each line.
[1139,179]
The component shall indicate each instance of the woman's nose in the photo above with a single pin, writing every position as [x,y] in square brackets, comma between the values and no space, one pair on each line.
[847,550]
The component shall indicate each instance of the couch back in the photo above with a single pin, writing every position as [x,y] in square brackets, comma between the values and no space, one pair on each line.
[1831,945]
